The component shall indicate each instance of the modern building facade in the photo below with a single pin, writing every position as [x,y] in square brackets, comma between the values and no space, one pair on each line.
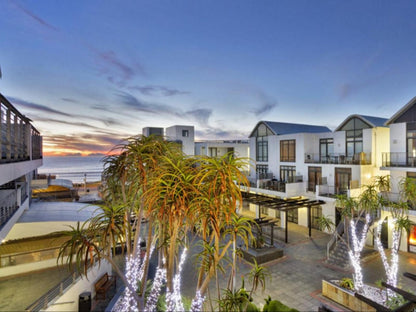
[21,155]
[184,135]
[400,162]
[314,163]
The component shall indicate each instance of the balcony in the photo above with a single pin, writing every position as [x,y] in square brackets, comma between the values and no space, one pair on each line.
[399,159]
[338,159]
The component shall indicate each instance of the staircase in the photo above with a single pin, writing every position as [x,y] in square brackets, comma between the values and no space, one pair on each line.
[337,249]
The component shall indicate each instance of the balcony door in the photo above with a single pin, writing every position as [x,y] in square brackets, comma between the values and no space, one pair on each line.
[342,180]
[314,178]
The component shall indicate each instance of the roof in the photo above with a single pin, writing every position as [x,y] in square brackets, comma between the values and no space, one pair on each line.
[281,128]
[371,120]
[401,111]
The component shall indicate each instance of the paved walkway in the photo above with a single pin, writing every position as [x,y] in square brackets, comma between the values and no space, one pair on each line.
[295,279]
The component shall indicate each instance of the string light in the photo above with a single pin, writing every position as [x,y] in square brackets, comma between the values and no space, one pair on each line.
[392,267]
[197,302]
[174,298]
[158,283]
[358,245]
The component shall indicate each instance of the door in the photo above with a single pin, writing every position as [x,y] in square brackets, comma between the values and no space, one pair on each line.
[342,180]
[314,178]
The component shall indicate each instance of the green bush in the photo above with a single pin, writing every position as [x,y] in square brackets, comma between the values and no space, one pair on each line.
[276,306]
[347,283]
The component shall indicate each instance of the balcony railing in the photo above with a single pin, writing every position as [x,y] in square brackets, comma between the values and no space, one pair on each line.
[399,159]
[357,159]
[19,140]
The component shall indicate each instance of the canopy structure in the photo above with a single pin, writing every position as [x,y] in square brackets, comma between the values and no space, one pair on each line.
[284,205]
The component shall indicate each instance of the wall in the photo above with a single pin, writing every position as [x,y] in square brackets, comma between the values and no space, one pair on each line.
[398,138]
[175,133]
[30,229]
[8,227]
[70,298]
[12,171]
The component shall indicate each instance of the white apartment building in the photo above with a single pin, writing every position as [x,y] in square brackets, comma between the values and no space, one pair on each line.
[400,161]
[308,161]
[184,135]
[21,155]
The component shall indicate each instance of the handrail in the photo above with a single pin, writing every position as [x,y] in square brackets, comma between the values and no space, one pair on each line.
[334,240]
[42,302]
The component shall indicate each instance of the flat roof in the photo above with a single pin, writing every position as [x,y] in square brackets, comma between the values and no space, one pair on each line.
[57,211]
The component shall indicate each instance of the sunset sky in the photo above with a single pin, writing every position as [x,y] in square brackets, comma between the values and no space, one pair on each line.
[90,73]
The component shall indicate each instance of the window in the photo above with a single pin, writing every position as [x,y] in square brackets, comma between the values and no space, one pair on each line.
[288,150]
[411,143]
[261,134]
[354,135]
[292,215]
[213,152]
[185,133]
[262,149]
[288,173]
[316,215]
[261,171]
[326,149]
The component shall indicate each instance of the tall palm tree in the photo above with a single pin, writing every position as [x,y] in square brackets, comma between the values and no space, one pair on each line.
[219,195]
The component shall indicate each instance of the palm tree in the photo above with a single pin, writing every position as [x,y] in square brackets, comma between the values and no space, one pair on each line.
[218,197]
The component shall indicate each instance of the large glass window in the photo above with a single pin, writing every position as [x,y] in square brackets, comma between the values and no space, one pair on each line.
[288,150]
[262,149]
[411,143]
[354,135]
[316,215]
[287,173]
[326,149]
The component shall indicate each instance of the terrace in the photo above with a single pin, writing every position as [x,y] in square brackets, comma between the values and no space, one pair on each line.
[399,159]
[338,159]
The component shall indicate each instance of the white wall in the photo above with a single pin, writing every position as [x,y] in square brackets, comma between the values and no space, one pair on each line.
[30,229]
[12,171]
[8,227]
[188,142]
[70,298]
[398,138]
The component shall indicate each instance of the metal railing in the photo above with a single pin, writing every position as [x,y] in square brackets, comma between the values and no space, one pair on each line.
[19,140]
[398,159]
[338,159]
[8,206]
[43,302]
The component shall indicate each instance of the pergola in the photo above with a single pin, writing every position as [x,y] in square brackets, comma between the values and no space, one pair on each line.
[285,205]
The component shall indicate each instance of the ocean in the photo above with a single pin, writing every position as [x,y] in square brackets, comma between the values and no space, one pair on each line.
[74,168]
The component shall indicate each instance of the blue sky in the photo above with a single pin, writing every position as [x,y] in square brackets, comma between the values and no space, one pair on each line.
[89,73]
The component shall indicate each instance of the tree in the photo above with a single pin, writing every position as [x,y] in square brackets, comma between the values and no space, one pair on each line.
[400,220]
[149,178]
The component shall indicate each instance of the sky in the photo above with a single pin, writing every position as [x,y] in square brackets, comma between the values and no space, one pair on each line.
[92,73]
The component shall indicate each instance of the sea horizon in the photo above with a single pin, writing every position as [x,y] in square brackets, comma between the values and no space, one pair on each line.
[74,168]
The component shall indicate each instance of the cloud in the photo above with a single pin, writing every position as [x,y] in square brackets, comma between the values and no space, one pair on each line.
[65,122]
[157,90]
[117,71]
[35,18]
[133,102]
[36,107]
[201,115]
[95,143]
[267,103]
[218,133]
[69,100]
